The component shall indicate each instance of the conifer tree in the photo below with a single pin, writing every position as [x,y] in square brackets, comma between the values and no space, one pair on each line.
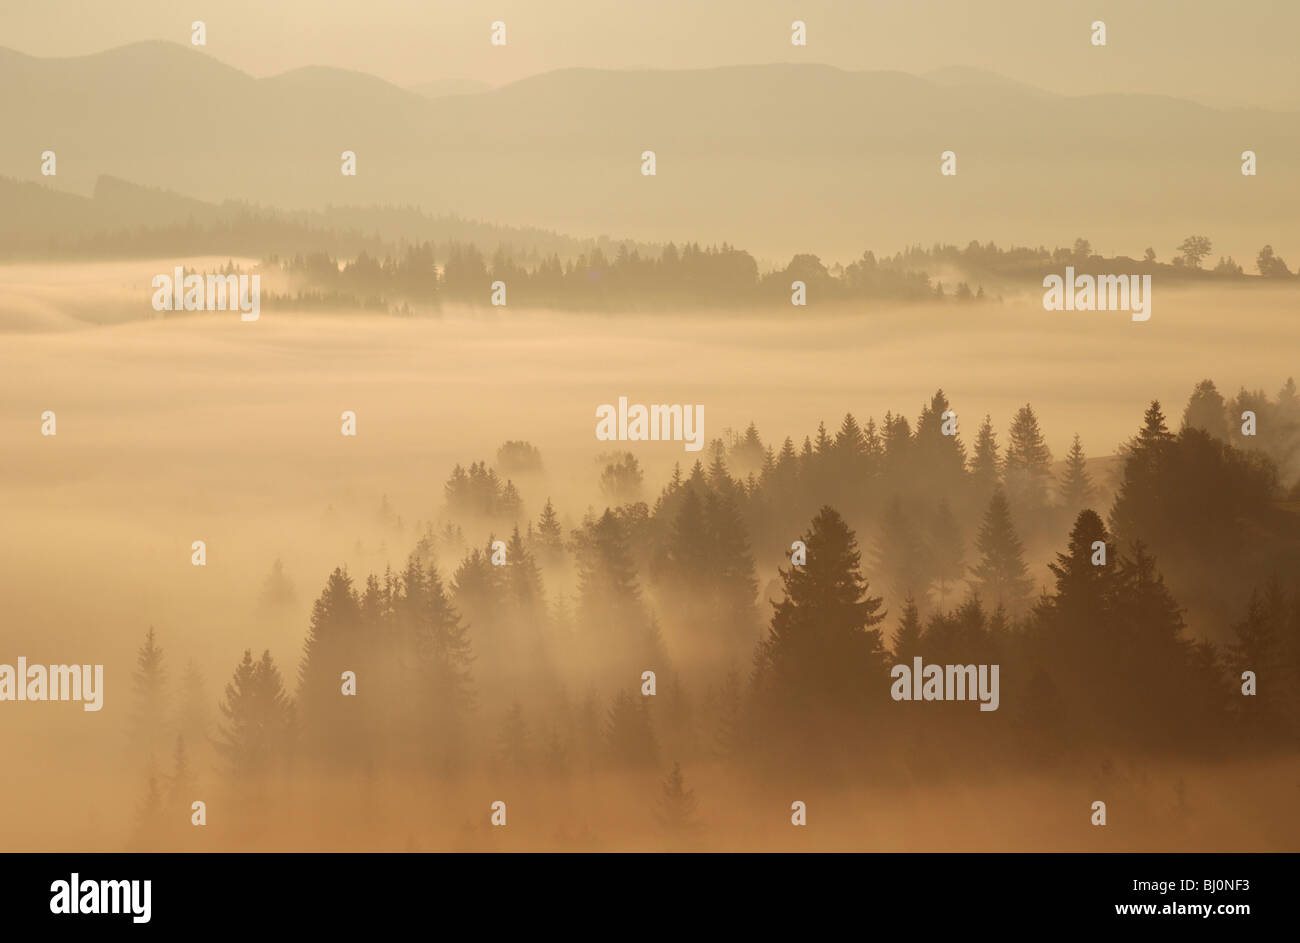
[1076,484]
[851,454]
[1027,466]
[335,643]
[523,579]
[181,781]
[941,458]
[150,819]
[822,658]
[676,811]
[1000,576]
[947,550]
[902,557]
[606,573]
[257,730]
[688,550]
[985,467]
[1260,644]
[149,711]
[1154,438]
[550,536]
[277,590]
[729,565]
[897,458]
[907,637]
[439,657]
[1085,590]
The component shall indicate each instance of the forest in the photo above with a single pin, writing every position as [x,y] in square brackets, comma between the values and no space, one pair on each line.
[530,666]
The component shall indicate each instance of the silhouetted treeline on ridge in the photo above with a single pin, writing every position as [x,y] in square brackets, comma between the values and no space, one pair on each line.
[715,276]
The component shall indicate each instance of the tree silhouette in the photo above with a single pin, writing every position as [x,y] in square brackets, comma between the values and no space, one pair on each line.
[550,536]
[1207,411]
[1000,576]
[1193,249]
[335,643]
[676,811]
[149,710]
[1027,466]
[1271,265]
[907,637]
[277,590]
[985,466]
[1076,484]
[821,667]
[902,556]
[181,781]
[947,550]
[258,719]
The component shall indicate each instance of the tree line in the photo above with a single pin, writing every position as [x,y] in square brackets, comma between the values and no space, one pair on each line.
[536,667]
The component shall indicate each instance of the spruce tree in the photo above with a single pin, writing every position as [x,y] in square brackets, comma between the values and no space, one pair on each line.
[688,551]
[1000,576]
[902,557]
[1076,484]
[277,590]
[907,637]
[610,609]
[985,466]
[941,459]
[730,567]
[822,657]
[947,554]
[438,658]
[258,720]
[149,711]
[1027,466]
[150,815]
[335,643]
[1084,590]
[181,781]
[1260,644]
[550,536]
[523,578]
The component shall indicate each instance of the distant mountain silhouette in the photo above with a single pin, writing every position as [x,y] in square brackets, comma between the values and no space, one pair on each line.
[116,219]
[780,158]
[969,77]
[440,88]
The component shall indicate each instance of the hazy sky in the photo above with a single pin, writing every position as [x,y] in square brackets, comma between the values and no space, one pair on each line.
[1222,52]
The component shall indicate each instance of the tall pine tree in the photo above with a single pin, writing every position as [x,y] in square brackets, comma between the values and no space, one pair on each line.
[1000,577]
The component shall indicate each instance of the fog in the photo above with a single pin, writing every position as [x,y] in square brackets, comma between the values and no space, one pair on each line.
[203,427]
